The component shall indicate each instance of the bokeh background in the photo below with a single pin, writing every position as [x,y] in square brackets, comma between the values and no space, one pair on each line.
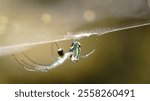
[120,57]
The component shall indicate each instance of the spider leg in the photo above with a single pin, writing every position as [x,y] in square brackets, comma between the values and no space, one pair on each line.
[56,45]
[88,54]
[32,61]
[56,63]
[30,67]
[22,64]
[52,52]
[93,50]
[40,68]
[35,67]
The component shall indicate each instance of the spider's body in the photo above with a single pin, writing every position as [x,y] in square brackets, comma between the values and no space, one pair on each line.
[75,49]
[60,52]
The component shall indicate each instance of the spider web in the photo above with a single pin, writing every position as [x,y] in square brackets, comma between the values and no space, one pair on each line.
[7,50]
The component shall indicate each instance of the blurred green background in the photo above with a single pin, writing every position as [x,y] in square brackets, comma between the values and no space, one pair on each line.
[120,57]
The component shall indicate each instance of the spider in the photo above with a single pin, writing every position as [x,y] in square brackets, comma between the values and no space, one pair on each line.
[73,53]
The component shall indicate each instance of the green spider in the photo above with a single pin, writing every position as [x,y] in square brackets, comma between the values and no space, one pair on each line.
[73,53]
